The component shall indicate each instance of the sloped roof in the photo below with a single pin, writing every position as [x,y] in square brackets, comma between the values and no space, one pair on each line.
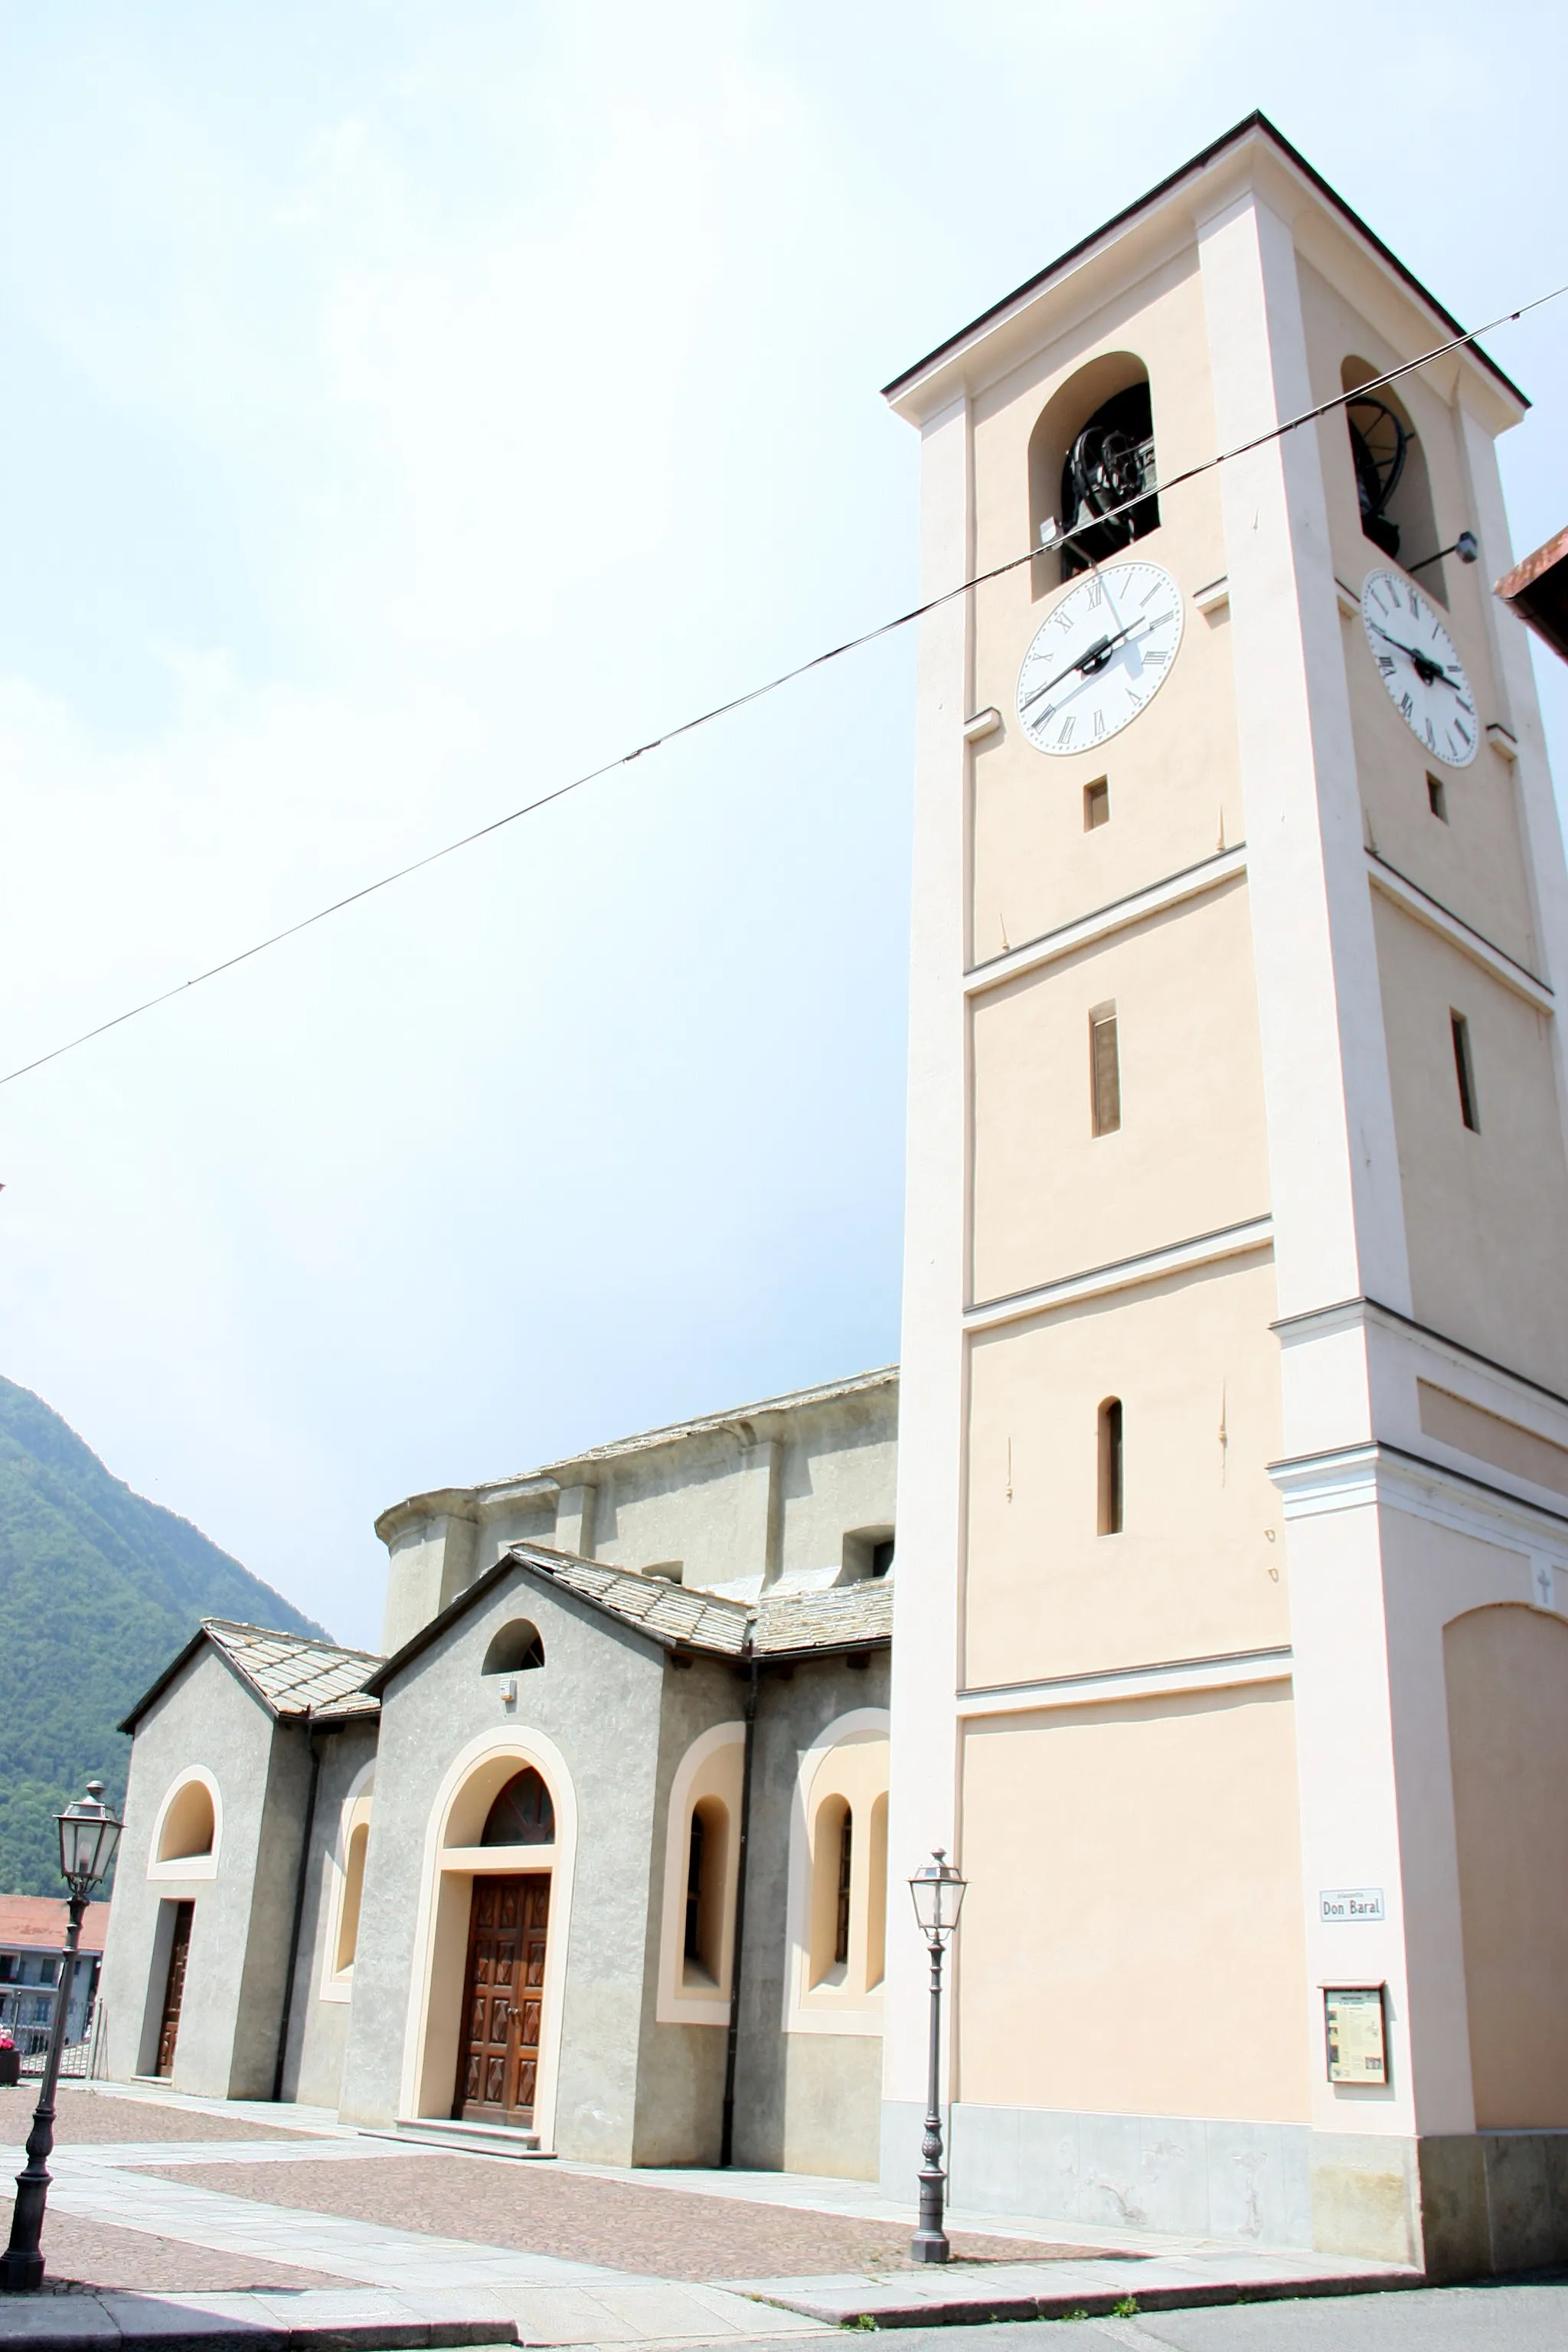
[549,1476]
[37,1923]
[701,1620]
[292,1675]
[846,1617]
[1252,124]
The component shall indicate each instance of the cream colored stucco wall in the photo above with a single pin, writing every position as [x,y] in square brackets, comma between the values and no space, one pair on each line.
[1174,787]
[1507,1672]
[1190,1156]
[1131,1939]
[1487,1213]
[1194,1573]
[1474,863]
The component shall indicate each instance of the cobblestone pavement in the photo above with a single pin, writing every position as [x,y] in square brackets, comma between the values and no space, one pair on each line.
[655,2233]
[83,2115]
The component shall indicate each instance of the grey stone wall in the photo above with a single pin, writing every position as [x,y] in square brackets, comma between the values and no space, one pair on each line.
[598,1698]
[680,2068]
[806,2102]
[318,2028]
[207,1718]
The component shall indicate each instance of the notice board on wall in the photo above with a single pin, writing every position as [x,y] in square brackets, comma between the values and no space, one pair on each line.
[1353,2030]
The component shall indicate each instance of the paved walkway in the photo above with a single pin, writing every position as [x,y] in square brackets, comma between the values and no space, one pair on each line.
[420,2240]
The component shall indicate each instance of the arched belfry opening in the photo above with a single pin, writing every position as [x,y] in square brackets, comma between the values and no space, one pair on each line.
[1090,452]
[1394,488]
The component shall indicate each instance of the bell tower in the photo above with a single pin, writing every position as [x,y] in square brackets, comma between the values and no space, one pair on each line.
[1232,1639]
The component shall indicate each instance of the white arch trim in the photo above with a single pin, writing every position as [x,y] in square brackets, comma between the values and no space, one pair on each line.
[334,1985]
[526,1746]
[189,1865]
[674,2005]
[861,1722]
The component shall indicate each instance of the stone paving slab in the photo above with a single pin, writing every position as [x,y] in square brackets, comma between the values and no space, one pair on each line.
[314,2320]
[955,2294]
[624,2225]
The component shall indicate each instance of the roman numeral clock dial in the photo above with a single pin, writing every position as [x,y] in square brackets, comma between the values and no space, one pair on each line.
[1099,657]
[1416,662]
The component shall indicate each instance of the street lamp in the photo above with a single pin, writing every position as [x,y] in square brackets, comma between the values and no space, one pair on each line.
[937,1892]
[89,1835]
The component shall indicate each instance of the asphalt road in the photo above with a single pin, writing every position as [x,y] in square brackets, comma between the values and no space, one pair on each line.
[1523,2319]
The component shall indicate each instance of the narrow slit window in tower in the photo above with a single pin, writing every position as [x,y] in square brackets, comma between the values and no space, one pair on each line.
[1105,1070]
[1110,1467]
[1464,1072]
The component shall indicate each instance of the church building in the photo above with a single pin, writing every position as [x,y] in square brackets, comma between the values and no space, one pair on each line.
[1227,1648]
[487,1884]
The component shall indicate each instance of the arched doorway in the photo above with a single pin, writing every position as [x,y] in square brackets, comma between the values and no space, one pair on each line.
[1507,1672]
[490,1940]
[503,1981]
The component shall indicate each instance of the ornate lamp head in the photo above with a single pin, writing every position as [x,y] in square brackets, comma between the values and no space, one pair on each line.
[937,1893]
[89,1835]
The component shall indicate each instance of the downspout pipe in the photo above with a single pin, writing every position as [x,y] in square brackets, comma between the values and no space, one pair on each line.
[287,2018]
[733,2041]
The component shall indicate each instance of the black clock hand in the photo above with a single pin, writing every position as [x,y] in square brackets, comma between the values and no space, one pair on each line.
[1096,652]
[1428,671]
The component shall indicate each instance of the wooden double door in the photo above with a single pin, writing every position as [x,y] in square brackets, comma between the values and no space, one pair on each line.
[497,2056]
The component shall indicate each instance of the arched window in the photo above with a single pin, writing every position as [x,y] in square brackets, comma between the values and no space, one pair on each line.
[1091,451]
[189,1824]
[876,1897]
[1110,1467]
[1393,489]
[835,1927]
[708,1854]
[354,1890]
[846,1869]
[522,1814]
[833,1856]
[514,1649]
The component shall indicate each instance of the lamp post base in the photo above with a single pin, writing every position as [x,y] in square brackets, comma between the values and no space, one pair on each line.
[930,2246]
[21,2274]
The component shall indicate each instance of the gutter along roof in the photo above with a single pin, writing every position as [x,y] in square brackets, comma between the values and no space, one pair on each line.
[1255,122]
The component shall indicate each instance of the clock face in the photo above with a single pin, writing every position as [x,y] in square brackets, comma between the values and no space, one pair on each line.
[1100,657]
[1425,677]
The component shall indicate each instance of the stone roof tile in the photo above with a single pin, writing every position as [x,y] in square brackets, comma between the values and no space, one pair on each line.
[838,1619]
[844,1617]
[293,1674]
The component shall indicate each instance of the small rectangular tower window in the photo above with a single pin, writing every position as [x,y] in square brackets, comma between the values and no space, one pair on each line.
[1436,798]
[1109,1512]
[1096,804]
[1464,1072]
[1104,1069]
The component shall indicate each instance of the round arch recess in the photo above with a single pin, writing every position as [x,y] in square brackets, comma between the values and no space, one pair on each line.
[469,1789]
[188,1832]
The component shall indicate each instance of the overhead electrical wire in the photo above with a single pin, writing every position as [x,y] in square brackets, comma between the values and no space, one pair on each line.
[771,686]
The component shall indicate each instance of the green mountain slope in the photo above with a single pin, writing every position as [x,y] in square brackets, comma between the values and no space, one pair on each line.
[99,1588]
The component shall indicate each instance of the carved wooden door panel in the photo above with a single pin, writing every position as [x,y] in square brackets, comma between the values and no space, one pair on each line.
[499,2055]
[536,1922]
[174,1986]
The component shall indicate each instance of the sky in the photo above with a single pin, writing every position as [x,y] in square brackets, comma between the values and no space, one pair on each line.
[403,408]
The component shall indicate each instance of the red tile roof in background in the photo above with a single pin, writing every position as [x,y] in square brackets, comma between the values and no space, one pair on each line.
[37,1923]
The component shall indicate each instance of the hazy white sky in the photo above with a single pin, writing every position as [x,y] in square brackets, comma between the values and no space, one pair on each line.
[405,406]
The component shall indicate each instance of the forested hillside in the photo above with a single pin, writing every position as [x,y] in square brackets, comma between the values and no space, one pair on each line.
[99,1588]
